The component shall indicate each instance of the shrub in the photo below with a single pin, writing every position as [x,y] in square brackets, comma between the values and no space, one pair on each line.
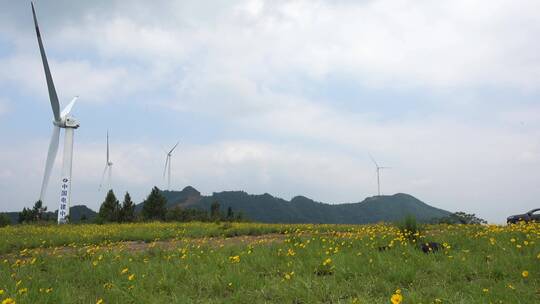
[461,218]
[4,220]
[409,227]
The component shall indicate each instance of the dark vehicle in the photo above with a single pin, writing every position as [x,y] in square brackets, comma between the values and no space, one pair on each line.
[531,216]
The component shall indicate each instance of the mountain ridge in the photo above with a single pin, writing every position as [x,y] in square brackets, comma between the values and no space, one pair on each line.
[300,209]
[267,208]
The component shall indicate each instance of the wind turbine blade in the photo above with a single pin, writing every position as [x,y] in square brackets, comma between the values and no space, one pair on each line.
[51,156]
[103,176]
[50,84]
[68,108]
[174,147]
[165,169]
[373,160]
[107,147]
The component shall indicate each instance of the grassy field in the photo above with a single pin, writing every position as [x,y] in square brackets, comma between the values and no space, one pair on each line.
[257,263]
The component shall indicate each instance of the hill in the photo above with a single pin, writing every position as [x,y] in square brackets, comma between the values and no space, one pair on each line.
[269,209]
[300,209]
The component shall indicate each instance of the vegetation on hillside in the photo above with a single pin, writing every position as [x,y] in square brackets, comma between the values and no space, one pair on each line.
[269,209]
[190,205]
[461,218]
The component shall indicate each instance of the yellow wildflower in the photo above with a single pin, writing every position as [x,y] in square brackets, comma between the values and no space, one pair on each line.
[131,277]
[524,273]
[288,276]
[8,301]
[100,301]
[326,262]
[124,271]
[396,298]
[234,259]
[108,285]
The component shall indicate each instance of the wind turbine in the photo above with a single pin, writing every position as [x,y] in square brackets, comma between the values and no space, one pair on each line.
[379,168]
[168,166]
[61,120]
[108,166]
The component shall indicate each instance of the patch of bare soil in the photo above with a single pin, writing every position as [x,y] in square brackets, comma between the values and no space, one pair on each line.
[139,246]
[207,241]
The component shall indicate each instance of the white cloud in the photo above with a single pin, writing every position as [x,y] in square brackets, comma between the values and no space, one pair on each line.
[250,65]
[384,43]
[451,174]
[94,83]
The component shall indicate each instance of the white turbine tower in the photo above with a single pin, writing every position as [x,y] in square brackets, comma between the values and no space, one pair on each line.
[168,166]
[108,167]
[62,120]
[379,168]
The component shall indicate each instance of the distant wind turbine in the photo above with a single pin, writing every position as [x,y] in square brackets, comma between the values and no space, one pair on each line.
[108,167]
[61,120]
[167,169]
[379,168]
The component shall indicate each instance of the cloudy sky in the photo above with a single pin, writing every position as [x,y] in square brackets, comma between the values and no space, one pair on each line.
[284,97]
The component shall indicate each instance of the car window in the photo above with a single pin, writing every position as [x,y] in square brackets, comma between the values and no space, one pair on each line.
[535,211]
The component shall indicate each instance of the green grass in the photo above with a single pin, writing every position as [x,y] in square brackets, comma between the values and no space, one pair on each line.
[13,238]
[290,271]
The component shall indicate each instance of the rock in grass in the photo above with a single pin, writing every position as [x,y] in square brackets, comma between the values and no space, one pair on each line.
[430,247]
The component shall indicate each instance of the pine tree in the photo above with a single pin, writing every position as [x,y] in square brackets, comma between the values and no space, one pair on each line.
[110,208]
[25,215]
[127,212]
[214,211]
[32,215]
[154,207]
[230,214]
[38,210]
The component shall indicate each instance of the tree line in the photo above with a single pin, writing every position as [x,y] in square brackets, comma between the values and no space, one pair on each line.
[154,208]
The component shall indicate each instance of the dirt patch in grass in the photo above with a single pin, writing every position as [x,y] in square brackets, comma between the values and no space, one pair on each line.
[139,246]
[207,241]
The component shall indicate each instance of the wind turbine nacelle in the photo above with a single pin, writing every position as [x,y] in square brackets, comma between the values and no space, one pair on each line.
[68,122]
[71,123]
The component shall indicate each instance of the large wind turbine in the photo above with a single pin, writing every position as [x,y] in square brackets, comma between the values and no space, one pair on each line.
[61,120]
[168,166]
[108,167]
[379,168]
